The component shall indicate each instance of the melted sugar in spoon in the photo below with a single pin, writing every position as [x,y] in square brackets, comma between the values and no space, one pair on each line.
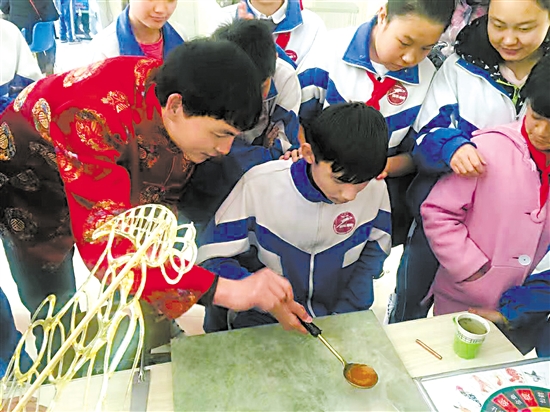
[357,374]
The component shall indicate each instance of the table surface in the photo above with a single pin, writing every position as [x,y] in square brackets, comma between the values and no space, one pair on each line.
[437,332]
[269,369]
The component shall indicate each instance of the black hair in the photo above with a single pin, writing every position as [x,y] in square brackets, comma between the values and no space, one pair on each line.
[537,87]
[215,79]
[438,11]
[353,137]
[256,39]
[545,4]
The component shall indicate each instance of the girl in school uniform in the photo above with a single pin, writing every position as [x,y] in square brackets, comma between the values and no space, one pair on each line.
[142,29]
[383,64]
[477,87]
[295,29]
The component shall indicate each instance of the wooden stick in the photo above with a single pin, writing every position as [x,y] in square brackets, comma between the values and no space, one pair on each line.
[437,355]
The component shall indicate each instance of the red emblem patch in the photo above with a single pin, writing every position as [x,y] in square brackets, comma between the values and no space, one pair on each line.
[344,223]
[292,54]
[397,94]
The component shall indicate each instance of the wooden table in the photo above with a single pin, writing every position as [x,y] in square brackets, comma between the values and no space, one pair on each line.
[438,333]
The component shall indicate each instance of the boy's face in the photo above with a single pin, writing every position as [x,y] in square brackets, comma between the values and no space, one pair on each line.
[152,13]
[199,137]
[334,190]
[403,41]
[538,130]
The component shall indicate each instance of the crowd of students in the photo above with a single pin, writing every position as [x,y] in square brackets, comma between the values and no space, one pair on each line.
[302,156]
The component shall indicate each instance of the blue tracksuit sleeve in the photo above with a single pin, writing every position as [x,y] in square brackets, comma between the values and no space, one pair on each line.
[313,74]
[532,299]
[226,236]
[358,294]
[440,128]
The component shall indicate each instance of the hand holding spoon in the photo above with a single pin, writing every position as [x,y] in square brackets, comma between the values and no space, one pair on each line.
[357,374]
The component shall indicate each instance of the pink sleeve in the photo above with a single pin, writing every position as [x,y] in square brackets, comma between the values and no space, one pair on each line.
[443,215]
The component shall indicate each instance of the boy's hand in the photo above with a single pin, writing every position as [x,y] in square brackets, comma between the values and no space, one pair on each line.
[263,289]
[242,12]
[468,162]
[295,155]
[288,313]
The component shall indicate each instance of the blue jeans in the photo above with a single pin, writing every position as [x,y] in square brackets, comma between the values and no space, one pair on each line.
[65,20]
[9,337]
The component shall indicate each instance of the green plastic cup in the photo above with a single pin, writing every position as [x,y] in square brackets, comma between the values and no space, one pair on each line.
[471,331]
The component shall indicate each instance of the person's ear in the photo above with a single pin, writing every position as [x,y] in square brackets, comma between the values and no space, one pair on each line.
[382,16]
[174,106]
[307,153]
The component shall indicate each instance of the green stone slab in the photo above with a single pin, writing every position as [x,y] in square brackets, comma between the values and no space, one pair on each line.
[269,369]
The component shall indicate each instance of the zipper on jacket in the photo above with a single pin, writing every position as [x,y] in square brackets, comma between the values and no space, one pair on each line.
[312,261]
[310,292]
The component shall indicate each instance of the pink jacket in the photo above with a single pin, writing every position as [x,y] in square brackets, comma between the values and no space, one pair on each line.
[494,218]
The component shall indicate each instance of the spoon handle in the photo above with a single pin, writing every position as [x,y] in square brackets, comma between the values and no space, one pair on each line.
[312,328]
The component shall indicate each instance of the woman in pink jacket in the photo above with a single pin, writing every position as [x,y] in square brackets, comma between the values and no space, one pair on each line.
[489,232]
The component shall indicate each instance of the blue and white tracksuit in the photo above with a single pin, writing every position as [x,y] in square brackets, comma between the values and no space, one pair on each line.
[305,28]
[335,72]
[467,93]
[118,39]
[329,252]
[19,67]
[213,180]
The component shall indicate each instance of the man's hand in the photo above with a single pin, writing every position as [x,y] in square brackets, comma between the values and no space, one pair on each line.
[242,12]
[288,313]
[263,289]
[468,162]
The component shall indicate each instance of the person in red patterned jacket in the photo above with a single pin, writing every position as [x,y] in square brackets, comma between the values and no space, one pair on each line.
[80,147]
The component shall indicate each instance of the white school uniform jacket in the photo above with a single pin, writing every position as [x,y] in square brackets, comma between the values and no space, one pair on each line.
[118,39]
[280,109]
[19,67]
[328,252]
[335,72]
[304,27]
[468,93]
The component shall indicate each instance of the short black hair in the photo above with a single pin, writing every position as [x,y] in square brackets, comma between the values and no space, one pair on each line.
[438,11]
[215,79]
[353,137]
[256,39]
[536,90]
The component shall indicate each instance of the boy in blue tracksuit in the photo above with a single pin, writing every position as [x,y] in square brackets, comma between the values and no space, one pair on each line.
[382,63]
[335,233]
[275,133]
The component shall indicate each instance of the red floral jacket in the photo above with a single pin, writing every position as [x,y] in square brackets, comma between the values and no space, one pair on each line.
[80,147]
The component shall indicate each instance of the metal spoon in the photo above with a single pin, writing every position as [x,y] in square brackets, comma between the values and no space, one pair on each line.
[357,374]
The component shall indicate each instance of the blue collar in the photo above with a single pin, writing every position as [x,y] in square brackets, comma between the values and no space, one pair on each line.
[128,44]
[292,19]
[301,180]
[358,54]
